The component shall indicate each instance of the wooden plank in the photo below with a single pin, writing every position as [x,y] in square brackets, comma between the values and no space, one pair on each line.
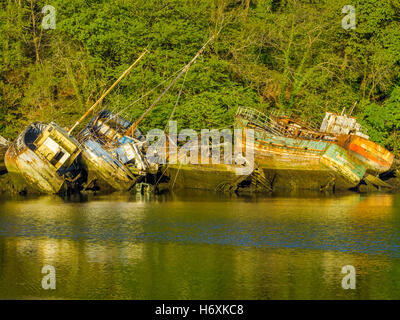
[376,181]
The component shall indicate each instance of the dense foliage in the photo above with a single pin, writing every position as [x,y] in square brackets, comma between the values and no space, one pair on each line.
[287,54]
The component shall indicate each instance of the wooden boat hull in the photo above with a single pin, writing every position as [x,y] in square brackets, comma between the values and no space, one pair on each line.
[100,140]
[348,169]
[43,159]
[212,177]
[219,178]
[287,164]
[3,150]
[308,171]
[100,165]
[29,171]
[376,158]
[306,164]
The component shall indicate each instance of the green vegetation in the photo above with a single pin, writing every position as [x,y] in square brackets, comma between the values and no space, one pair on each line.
[287,54]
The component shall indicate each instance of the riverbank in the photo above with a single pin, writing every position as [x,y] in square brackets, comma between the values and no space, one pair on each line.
[7,187]
[394,181]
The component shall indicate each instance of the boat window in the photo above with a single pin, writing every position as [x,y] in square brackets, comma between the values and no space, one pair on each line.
[110,134]
[53,152]
[103,129]
[129,151]
[57,158]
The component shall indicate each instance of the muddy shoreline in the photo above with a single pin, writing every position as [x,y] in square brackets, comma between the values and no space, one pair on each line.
[8,187]
[395,180]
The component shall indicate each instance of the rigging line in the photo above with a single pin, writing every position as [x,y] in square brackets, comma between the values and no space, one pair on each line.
[107,92]
[182,70]
[165,170]
[119,113]
[180,165]
[148,92]
[176,103]
[185,69]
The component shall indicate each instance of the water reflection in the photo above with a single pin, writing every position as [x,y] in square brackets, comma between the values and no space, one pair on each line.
[180,246]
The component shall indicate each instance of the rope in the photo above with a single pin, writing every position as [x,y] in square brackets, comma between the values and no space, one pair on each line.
[183,69]
[119,113]
[178,72]
[150,91]
[159,179]
[176,103]
[180,165]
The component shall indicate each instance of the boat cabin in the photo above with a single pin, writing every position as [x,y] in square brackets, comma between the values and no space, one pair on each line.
[54,144]
[109,128]
[342,124]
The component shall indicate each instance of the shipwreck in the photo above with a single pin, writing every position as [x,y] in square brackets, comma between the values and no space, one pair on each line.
[111,152]
[45,159]
[351,136]
[111,158]
[300,150]
[290,154]
[4,144]
[285,158]
[101,160]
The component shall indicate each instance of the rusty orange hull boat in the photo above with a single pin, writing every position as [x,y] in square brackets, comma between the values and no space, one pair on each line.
[376,158]
[302,160]
[306,164]
[341,130]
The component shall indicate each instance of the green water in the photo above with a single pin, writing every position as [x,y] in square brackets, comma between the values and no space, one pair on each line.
[201,246]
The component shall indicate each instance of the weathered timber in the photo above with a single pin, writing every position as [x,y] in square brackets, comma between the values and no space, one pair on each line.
[342,130]
[376,182]
[213,177]
[376,158]
[4,144]
[393,176]
[44,159]
[110,157]
[300,163]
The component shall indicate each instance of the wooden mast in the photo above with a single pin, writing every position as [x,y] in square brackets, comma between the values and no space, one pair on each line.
[132,128]
[107,92]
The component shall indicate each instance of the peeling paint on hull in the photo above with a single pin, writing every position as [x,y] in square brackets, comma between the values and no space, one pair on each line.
[33,172]
[376,158]
[27,169]
[287,164]
[100,165]
[306,164]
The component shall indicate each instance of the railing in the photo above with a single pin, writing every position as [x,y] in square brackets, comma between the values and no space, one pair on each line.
[280,124]
[258,118]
